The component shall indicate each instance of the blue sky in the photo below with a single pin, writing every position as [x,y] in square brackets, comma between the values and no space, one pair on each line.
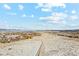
[39,16]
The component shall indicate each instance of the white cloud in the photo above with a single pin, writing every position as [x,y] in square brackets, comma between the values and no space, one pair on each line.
[73,11]
[48,6]
[21,7]
[73,17]
[6,6]
[24,15]
[32,15]
[55,18]
[3,24]
[60,18]
[45,9]
[63,15]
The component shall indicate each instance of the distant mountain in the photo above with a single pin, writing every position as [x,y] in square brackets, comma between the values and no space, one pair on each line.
[75,30]
[16,30]
[9,30]
[70,31]
[20,30]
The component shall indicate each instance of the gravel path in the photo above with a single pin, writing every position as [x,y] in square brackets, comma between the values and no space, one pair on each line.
[57,46]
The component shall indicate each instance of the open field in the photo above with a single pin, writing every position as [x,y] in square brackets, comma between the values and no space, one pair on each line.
[54,43]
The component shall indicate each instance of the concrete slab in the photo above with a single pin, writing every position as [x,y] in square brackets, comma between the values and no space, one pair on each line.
[25,48]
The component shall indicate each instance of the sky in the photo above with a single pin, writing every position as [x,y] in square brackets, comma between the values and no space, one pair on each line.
[39,16]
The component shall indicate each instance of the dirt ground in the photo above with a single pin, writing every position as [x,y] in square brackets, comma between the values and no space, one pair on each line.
[58,45]
[55,45]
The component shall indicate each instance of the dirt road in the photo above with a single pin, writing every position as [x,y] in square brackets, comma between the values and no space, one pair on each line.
[53,45]
[59,46]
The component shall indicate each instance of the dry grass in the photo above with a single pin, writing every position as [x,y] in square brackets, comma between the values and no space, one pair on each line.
[69,34]
[10,37]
